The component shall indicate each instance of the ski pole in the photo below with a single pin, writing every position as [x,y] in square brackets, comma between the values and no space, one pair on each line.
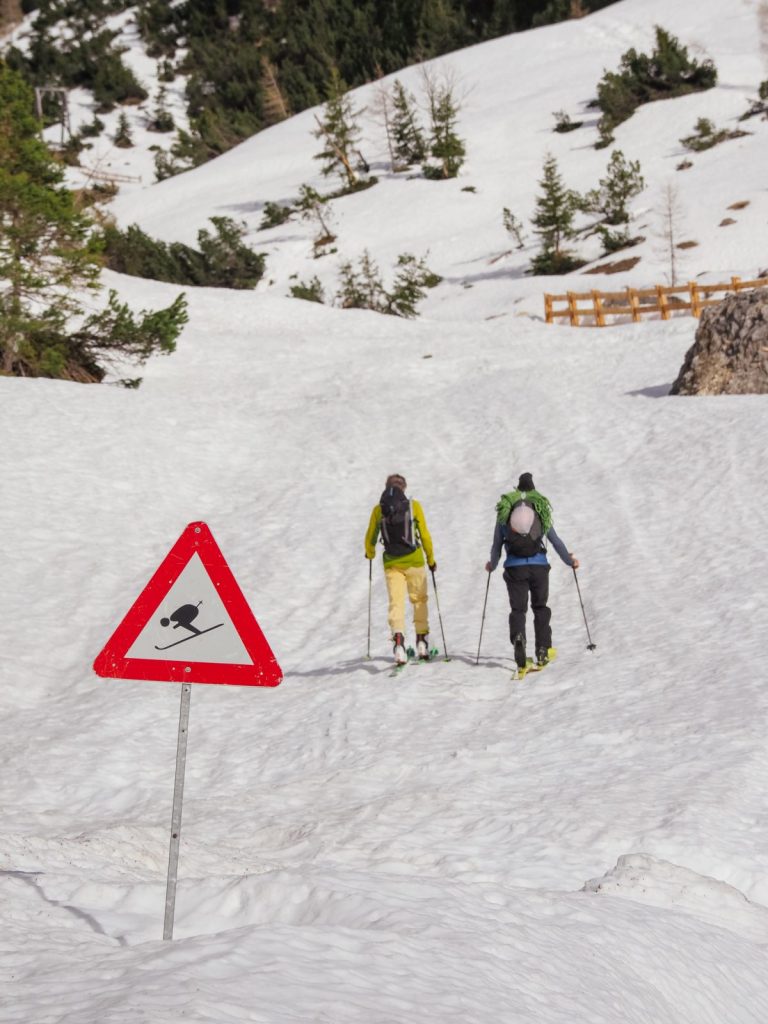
[590,645]
[370,587]
[482,624]
[440,617]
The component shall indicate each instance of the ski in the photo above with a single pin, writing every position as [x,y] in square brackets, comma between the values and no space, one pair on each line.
[531,666]
[432,654]
[413,659]
[397,670]
[200,632]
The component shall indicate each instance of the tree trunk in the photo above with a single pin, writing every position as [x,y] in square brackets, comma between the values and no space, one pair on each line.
[10,14]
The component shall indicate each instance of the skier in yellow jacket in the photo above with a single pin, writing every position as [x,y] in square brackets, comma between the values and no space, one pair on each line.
[406,540]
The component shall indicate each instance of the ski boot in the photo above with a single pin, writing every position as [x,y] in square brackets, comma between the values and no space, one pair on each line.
[519,645]
[401,655]
[422,647]
[542,656]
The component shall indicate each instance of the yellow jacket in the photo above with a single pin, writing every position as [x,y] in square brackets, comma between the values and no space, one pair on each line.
[422,535]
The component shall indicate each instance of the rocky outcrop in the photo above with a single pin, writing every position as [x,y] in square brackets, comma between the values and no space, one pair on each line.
[730,353]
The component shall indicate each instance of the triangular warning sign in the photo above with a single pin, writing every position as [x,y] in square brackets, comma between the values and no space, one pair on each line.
[191,624]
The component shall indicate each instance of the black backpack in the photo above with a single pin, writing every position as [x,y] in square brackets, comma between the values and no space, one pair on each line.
[397,530]
[529,541]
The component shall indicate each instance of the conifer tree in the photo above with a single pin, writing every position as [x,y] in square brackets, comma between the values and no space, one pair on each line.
[622,182]
[412,278]
[513,226]
[363,288]
[313,209]
[445,145]
[408,146]
[553,222]
[49,259]
[338,131]
[162,119]
[123,138]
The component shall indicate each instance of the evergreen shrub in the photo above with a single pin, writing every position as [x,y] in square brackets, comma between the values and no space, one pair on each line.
[311,291]
[666,72]
[221,261]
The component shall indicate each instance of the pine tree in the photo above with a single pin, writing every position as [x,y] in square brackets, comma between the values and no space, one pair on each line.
[444,144]
[162,119]
[122,137]
[312,208]
[553,222]
[622,182]
[338,131]
[50,258]
[408,146]
[513,226]
[412,278]
[362,288]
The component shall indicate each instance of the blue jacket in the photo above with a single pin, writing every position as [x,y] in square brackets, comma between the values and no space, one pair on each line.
[500,537]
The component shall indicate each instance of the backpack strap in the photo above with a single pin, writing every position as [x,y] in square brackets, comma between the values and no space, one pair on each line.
[383,528]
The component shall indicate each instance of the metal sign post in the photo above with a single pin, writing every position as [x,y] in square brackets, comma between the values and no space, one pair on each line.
[192,600]
[178,797]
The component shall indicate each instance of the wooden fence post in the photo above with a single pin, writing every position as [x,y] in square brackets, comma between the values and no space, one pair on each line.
[573,309]
[548,318]
[736,283]
[597,302]
[634,304]
[693,288]
[662,302]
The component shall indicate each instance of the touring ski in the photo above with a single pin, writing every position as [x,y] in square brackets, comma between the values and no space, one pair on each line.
[432,654]
[532,666]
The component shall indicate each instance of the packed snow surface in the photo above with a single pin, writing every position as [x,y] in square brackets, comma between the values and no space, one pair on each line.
[587,845]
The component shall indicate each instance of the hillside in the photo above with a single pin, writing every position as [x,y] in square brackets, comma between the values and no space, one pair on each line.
[508,130]
[587,845]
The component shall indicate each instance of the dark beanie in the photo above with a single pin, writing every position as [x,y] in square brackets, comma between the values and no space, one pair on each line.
[525,483]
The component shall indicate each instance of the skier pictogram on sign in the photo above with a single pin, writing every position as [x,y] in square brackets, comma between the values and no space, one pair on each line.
[192,600]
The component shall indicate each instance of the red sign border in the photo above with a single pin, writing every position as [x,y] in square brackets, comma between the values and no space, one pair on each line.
[197,538]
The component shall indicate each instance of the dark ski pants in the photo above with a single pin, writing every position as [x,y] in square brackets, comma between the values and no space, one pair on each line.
[520,580]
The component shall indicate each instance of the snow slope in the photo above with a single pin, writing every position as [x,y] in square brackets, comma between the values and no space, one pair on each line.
[588,845]
[511,88]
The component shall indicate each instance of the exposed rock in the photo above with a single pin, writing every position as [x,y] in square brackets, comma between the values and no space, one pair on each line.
[619,267]
[730,353]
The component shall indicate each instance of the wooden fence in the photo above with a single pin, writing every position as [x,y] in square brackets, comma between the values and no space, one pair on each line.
[639,302]
[109,177]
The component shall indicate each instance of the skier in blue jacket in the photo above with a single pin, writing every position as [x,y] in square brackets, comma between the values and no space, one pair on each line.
[524,521]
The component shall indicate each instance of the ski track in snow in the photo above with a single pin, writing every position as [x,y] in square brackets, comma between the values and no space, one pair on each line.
[586,845]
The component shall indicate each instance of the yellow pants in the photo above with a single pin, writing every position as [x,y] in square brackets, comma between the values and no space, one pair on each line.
[412,581]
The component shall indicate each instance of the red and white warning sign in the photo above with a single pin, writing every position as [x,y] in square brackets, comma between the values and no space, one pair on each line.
[191,624]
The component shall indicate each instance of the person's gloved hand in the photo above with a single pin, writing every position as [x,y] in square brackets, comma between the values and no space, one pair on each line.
[433,567]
